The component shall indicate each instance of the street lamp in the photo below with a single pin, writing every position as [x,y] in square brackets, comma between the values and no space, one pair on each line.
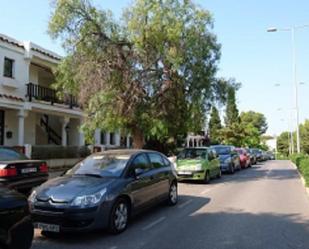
[292,30]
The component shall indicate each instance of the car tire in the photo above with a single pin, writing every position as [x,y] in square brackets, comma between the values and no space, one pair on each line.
[21,236]
[119,216]
[207,177]
[172,195]
[219,174]
[232,169]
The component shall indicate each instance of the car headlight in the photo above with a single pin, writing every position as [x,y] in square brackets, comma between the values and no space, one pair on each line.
[88,200]
[32,197]
[228,160]
[198,166]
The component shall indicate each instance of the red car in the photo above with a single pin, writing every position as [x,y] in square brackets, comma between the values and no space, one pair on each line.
[244,158]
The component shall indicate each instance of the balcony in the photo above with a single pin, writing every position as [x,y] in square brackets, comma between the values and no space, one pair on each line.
[40,93]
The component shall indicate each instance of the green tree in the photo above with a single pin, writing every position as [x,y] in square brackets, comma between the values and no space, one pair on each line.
[258,120]
[283,141]
[232,114]
[152,75]
[304,135]
[215,126]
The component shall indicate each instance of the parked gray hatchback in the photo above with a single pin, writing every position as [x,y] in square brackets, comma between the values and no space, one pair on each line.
[103,191]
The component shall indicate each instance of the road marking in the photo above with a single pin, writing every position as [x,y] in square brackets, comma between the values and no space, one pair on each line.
[154,223]
[185,203]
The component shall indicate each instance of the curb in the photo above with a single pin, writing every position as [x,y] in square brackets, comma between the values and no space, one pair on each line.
[301,178]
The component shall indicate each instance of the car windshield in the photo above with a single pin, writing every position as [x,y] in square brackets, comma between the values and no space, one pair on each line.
[11,155]
[192,154]
[101,166]
[222,150]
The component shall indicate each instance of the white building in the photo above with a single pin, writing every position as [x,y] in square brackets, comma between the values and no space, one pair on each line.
[30,111]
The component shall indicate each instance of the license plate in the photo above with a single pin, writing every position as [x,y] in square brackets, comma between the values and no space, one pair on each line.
[29,170]
[47,227]
[184,173]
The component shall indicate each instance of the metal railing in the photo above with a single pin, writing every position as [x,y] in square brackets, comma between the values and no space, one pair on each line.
[42,93]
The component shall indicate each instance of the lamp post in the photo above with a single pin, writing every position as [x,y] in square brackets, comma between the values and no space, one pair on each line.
[292,30]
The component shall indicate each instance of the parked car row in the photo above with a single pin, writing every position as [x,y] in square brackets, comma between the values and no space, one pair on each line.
[205,163]
[102,191]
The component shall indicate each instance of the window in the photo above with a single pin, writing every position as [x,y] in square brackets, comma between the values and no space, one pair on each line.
[112,138]
[8,68]
[156,160]
[141,162]
[103,138]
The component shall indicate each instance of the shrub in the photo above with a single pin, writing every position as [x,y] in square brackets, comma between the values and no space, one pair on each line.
[297,158]
[60,152]
[304,169]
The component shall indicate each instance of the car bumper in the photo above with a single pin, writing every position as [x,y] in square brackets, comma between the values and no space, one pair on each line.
[191,175]
[225,167]
[73,220]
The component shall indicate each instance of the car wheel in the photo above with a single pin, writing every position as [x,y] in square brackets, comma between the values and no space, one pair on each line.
[21,236]
[119,216]
[219,174]
[207,177]
[232,169]
[173,195]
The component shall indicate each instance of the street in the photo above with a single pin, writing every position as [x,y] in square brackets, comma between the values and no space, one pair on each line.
[262,207]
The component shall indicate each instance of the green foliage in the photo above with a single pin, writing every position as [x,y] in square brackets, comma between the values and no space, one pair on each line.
[152,75]
[304,136]
[283,143]
[258,120]
[304,169]
[297,158]
[215,126]
[232,115]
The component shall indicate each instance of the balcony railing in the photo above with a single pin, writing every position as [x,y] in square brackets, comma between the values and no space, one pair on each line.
[37,92]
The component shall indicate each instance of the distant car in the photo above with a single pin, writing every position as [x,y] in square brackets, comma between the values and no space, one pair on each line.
[19,172]
[104,191]
[258,154]
[229,159]
[271,155]
[244,157]
[253,158]
[16,229]
[198,164]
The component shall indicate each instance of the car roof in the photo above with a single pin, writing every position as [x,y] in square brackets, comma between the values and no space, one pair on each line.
[197,148]
[128,152]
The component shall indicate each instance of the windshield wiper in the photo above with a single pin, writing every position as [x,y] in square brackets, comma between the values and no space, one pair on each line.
[90,174]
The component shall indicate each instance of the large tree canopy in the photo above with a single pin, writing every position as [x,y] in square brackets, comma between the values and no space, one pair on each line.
[258,120]
[152,75]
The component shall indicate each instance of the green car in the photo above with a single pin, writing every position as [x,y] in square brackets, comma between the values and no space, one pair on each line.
[200,163]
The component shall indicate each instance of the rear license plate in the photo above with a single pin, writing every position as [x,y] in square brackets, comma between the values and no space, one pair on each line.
[28,170]
[47,227]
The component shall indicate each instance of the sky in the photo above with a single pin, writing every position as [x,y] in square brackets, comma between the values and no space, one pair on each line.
[260,61]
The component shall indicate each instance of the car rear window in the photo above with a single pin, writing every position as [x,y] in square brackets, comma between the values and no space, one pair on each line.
[192,154]
[11,155]
[222,150]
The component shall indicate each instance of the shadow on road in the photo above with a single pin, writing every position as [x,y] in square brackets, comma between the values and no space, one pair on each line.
[85,239]
[238,229]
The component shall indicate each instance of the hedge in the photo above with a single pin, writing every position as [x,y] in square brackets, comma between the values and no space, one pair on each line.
[58,152]
[302,163]
[304,169]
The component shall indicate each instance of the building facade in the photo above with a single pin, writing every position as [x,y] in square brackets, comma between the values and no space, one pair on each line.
[31,112]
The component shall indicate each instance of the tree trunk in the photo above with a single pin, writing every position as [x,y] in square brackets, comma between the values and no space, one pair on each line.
[138,138]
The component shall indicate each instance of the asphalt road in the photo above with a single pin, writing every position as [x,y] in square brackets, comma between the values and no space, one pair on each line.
[264,207]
